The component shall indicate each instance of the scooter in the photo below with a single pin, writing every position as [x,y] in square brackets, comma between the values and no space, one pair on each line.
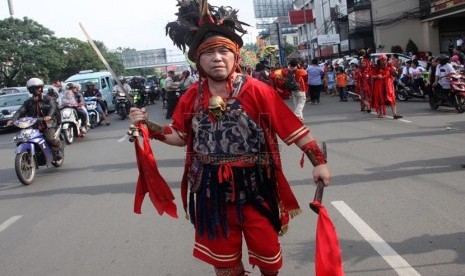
[405,92]
[454,97]
[122,105]
[71,124]
[32,150]
[94,116]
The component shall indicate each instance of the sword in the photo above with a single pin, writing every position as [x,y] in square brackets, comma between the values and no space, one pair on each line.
[133,130]
[320,188]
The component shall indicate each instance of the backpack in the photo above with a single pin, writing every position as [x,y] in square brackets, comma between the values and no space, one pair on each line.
[290,83]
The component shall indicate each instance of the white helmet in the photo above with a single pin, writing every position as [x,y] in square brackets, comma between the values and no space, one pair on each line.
[33,83]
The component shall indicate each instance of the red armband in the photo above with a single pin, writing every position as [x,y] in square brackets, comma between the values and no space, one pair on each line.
[314,154]
[158,132]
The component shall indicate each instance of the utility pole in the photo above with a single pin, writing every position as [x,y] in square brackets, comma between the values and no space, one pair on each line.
[10,7]
[306,34]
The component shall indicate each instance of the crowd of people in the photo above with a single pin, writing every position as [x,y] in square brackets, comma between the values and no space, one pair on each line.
[374,79]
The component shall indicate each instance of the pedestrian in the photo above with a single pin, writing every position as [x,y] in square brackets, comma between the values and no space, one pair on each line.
[341,83]
[163,89]
[330,80]
[383,88]
[363,81]
[315,81]
[229,124]
[172,93]
[298,76]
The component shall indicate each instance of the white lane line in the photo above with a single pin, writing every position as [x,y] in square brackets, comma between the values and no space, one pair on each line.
[390,117]
[122,139]
[9,222]
[398,263]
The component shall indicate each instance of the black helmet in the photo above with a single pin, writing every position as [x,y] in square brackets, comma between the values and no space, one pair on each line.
[70,85]
[442,59]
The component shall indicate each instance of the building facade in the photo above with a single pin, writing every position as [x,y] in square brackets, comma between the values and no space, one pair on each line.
[380,25]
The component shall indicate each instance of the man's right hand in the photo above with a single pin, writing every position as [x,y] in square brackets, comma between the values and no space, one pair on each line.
[138,115]
[8,123]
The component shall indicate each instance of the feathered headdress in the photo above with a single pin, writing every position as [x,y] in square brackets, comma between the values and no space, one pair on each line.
[196,19]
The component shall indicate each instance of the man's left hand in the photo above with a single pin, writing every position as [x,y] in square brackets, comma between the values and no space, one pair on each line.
[47,118]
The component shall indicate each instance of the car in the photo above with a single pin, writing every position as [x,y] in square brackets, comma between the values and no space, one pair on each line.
[102,80]
[13,90]
[9,104]
[403,58]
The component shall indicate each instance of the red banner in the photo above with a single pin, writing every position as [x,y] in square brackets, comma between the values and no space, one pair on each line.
[299,17]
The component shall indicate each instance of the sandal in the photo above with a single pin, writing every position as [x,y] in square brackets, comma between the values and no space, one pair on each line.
[397,116]
[380,115]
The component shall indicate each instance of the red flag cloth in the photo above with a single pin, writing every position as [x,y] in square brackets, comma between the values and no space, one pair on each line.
[328,261]
[150,181]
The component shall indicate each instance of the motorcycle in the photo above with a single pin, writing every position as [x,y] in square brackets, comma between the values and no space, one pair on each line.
[122,104]
[408,91]
[154,93]
[453,97]
[32,150]
[94,115]
[71,124]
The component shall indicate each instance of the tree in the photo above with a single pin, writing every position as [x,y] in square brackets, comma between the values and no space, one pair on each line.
[25,51]
[397,49]
[411,47]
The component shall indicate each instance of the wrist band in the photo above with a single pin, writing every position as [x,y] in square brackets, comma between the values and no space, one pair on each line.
[158,132]
[314,153]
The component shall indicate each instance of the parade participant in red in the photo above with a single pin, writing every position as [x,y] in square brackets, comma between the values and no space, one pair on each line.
[363,87]
[383,88]
[237,186]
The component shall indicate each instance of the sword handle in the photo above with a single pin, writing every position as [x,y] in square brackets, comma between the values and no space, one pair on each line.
[320,188]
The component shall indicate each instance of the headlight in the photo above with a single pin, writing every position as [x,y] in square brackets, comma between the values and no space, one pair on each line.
[66,113]
[121,94]
[23,135]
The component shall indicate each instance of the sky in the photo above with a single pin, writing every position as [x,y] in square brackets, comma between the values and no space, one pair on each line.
[136,24]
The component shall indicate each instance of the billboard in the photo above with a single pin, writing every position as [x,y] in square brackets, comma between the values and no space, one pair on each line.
[328,39]
[300,17]
[272,8]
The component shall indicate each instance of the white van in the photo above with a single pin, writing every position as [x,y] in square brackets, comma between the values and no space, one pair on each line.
[102,80]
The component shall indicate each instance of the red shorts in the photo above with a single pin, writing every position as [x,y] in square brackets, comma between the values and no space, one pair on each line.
[261,239]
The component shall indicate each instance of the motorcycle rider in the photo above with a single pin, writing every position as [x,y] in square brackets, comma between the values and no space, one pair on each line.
[94,92]
[443,70]
[406,77]
[73,97]
[417,76]
[126,89]
[39,106]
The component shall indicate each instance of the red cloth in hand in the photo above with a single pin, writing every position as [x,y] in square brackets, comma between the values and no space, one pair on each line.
[150,181]
[328,261]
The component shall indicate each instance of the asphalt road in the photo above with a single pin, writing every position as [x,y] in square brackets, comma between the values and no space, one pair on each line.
[397,201]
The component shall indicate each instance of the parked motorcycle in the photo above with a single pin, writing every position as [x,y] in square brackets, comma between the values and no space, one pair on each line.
[405,92]
[94,116]
[454,97]
[32,150]
[122,104]
[71,124]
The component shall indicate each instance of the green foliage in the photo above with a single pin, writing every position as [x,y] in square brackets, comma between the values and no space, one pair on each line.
[28,49]
[397,49]
[411,47]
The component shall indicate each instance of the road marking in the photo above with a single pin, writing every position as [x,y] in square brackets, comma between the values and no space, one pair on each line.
[9,222]
[122,139]
[398,263]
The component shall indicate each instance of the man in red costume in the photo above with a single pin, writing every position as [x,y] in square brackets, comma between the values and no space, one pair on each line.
[383,87]
[362,77]
[229,123]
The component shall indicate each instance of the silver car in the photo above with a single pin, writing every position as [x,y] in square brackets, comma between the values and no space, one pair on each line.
[9,104]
